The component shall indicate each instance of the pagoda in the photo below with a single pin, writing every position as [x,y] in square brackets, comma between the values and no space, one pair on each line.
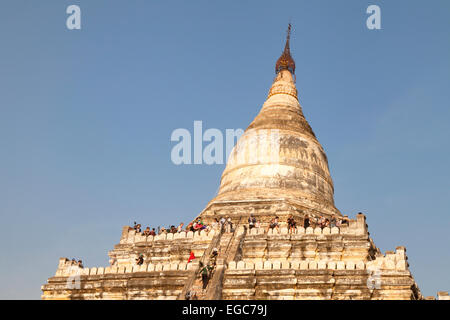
[277,169]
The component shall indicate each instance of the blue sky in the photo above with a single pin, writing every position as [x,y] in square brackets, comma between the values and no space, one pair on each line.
[86,118]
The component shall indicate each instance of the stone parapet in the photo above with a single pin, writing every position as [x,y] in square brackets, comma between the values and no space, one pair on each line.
[152,281]
[443,295]
[164,248]
[401,265]
[129,236]
[311,263]
[314,282]
[66,270]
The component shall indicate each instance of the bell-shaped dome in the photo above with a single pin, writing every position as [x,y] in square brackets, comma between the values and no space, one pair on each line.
[279,157]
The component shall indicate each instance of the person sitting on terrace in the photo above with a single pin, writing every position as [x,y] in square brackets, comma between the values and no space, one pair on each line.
[180,227]
[257,224]
[251,221]
[199,225]
[173,229]
[273,224]
[189,227]
[80,264]
[345,220]
[152,232]
[140,259]
[162,230]
[333,221]
[292,225]
[203,225]
[138,228]
[146,231]
[196,226]
[73,262]
[324,223]
[315,222]
[306,221]
[321,222]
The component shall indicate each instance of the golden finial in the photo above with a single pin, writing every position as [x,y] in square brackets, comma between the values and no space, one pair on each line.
[285,61]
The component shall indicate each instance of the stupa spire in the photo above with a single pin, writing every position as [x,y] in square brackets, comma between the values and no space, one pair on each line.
[285,61]
[278,156]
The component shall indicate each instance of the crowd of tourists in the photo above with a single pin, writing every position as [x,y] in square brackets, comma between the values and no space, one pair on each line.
[195,225]
[323,222]
[225,224]
[160,230]
[308,221]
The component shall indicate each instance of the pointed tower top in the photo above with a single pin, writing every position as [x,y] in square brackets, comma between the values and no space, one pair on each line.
[285,61]
[277,161]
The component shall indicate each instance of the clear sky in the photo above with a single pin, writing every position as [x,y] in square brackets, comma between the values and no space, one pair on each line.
[86,117]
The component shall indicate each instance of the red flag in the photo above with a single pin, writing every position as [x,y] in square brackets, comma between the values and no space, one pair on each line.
[191,257]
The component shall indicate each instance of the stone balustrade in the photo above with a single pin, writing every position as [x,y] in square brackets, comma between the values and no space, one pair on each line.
[443,295]
[298,230]
[130,236]
[391,260]
[401,265]
[66,267]
[163,248]
[356,226]
[66,270]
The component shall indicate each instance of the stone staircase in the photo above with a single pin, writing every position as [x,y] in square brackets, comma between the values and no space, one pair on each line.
[197,287]
[229,245]
[230,250]
[194,283]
